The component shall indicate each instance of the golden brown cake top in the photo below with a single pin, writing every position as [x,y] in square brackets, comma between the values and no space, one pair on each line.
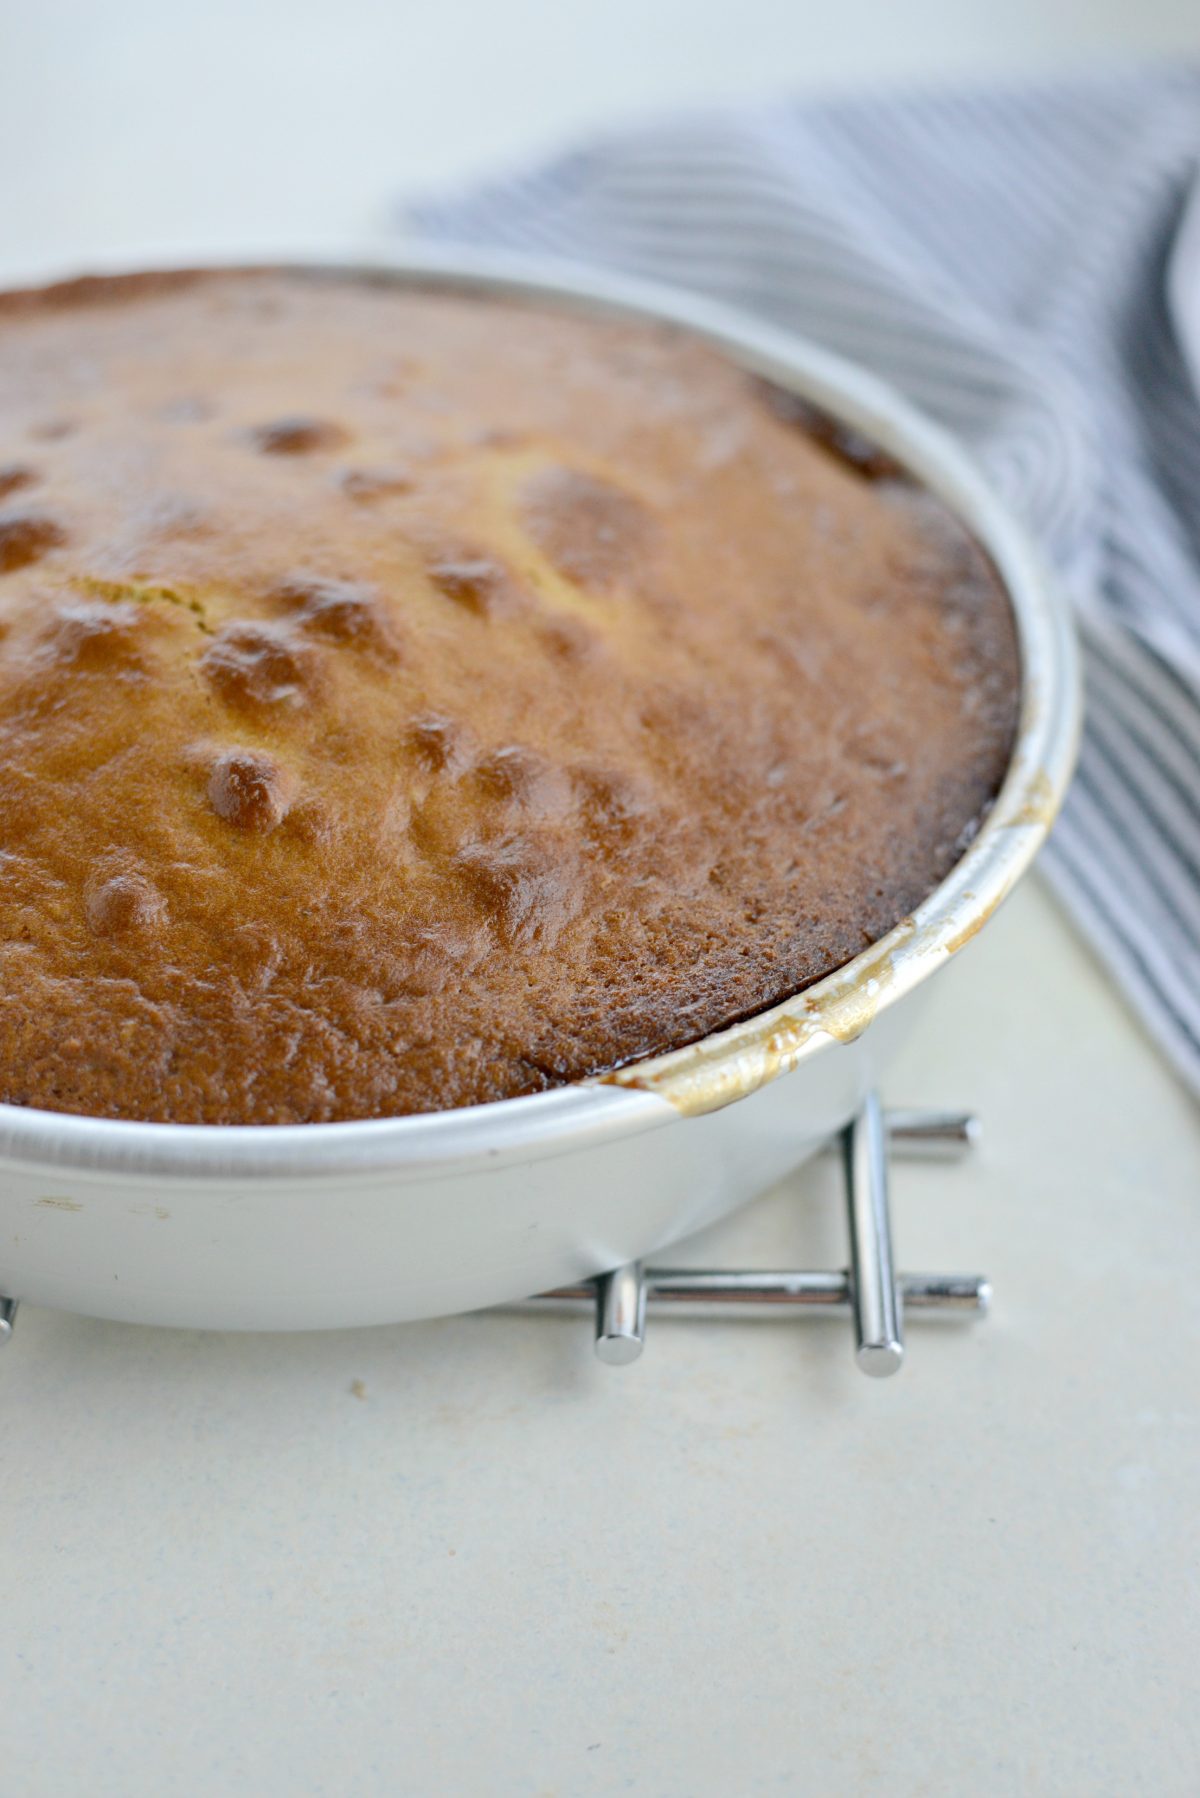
[409,700]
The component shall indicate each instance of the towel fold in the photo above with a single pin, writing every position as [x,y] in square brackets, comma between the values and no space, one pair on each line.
[1001,257]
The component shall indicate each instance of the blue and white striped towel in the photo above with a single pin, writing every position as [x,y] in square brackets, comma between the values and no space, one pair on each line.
[1001,257]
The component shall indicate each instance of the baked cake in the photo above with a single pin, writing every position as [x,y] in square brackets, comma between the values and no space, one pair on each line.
[410,699]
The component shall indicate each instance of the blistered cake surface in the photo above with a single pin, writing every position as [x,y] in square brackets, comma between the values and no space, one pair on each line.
[410,700]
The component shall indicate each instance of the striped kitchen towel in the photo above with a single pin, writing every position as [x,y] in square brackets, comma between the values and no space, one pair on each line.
[1003,257]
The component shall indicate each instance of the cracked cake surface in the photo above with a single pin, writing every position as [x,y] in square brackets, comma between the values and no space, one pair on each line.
[410,699]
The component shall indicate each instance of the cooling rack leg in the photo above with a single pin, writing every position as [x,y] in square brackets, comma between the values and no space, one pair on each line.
[879,1341]
[621,1314]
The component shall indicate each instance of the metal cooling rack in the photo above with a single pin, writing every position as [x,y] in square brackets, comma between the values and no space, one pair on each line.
[869,1291]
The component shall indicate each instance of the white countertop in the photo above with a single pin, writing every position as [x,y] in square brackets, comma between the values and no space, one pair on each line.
[462,1556]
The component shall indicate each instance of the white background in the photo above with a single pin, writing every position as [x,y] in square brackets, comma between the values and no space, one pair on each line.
[293,121]
[461,1557]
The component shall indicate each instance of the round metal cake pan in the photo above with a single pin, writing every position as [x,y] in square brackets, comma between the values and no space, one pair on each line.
[326,1225]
